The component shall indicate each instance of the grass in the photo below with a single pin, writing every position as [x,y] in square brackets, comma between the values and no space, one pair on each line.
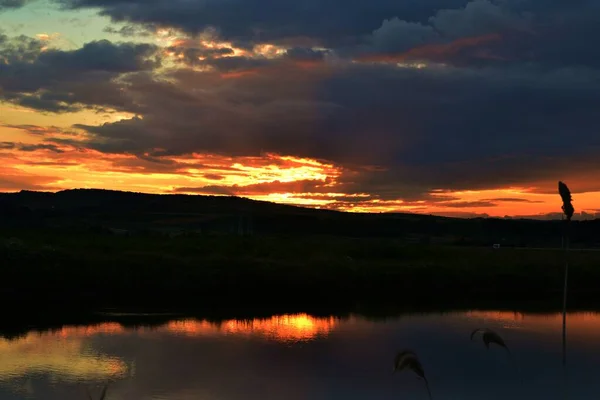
[568,211]
[78,266]
[408,360]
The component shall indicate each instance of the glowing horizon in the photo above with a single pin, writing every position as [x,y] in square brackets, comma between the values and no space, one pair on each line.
[258,178]
[269,177]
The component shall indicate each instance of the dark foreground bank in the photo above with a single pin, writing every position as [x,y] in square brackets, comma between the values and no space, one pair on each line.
[91,271]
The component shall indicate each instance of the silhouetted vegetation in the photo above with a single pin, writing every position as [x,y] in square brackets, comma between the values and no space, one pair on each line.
[124,213]
[408,360]
[101,248]
[565,195]
[105,270]
[489,337]
[568,210]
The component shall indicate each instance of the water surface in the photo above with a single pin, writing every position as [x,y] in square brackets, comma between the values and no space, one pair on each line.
[304,357]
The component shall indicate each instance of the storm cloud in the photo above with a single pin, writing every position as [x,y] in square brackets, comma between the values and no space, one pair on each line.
[328,23]
[57,80]
[552,30]
[428,128]
[7,4]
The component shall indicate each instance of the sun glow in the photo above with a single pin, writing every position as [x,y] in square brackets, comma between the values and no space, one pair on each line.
[295,327]
[61,163]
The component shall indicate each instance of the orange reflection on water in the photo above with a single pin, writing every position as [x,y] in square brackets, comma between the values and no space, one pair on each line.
[110,328]
[67,353]
[64,354]
[581,323]
[291,327]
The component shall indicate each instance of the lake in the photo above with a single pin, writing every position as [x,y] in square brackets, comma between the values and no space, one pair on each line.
[299,356]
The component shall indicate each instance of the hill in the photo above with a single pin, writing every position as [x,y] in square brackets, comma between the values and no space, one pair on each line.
[137,213]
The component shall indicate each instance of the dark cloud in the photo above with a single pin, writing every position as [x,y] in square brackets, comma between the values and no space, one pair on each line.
[484,32]
[301,186]
[328,23]
[467,204]
[396,35]
[57,80]
[30,147]
[54,163]
[338,199]
[31,129]
[428,128]
[129,31]
[305,54]
[148,165]
[40,130]
[531,31]
[479,17]
[35,147]
[511,200]
[8,4]
[214,177]
[475,19]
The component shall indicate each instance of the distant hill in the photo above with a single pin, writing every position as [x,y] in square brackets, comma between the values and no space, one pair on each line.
[176,214]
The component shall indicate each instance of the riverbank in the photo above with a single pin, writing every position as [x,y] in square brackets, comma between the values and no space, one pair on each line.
[210,271]
[17,322]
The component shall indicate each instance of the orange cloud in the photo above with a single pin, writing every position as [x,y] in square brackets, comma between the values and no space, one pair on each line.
[238,74]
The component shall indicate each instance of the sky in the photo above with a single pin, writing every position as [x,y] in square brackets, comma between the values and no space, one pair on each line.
[448,107]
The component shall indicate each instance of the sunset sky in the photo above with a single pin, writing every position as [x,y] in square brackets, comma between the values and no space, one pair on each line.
[448,107]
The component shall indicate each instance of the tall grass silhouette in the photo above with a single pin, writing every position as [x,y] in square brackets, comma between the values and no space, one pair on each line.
[407,359]
[568,210]
[491,337]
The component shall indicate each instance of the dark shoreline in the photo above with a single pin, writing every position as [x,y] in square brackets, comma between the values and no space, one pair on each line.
[19,318]
[53,277]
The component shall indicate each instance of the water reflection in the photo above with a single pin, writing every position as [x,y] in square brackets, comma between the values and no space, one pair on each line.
[63,354]
[579,323]
[304,357]
[108,328]
[297,327]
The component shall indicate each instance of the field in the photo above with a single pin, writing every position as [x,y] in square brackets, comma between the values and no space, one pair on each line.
[52,266]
